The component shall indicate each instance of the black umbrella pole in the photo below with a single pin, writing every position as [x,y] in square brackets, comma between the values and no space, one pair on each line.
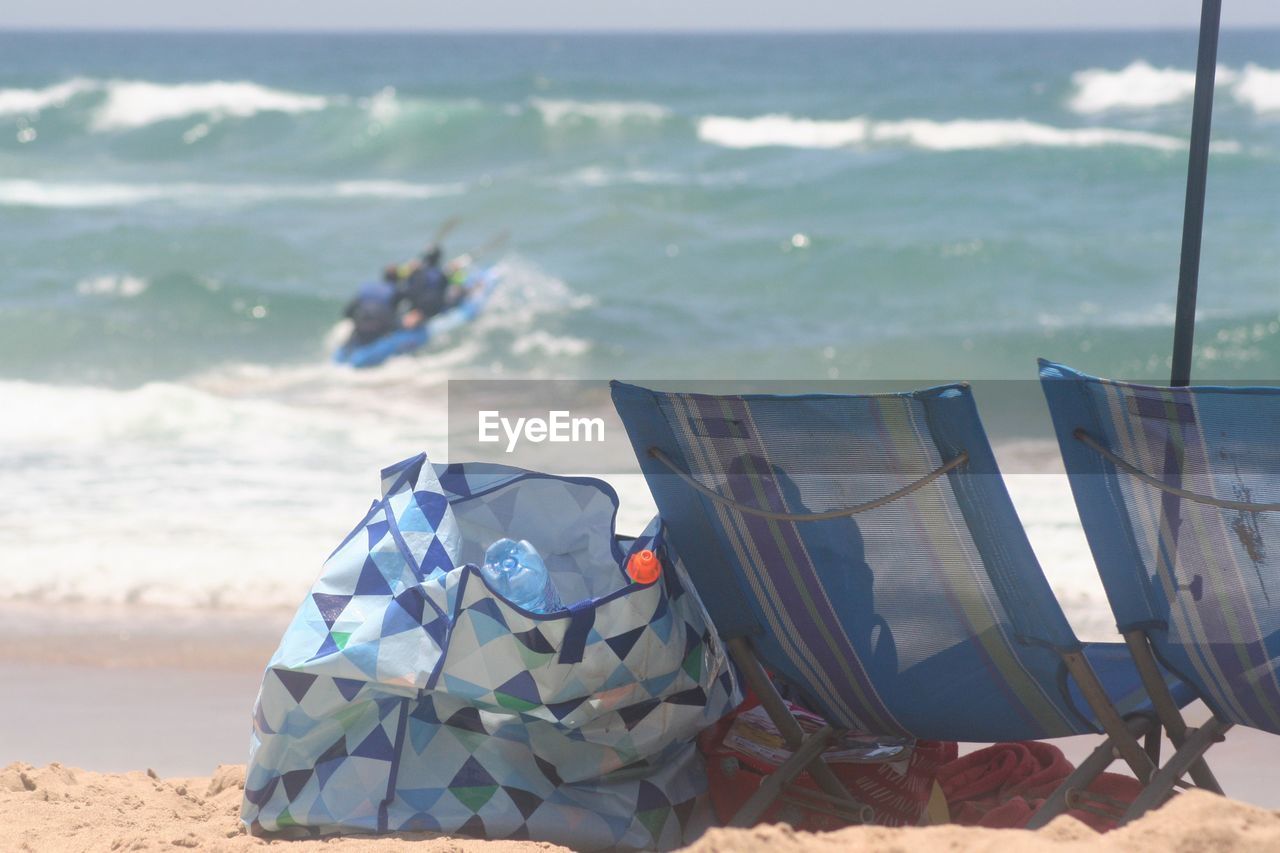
[1197,173]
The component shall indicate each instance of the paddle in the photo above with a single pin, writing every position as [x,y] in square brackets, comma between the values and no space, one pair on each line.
[494,243]
[445,229]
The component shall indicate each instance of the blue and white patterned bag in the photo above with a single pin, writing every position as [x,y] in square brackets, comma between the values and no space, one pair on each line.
[408,695]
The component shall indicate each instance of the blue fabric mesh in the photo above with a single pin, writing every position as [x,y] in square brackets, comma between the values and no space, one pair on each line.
[928,615]
[1200,579]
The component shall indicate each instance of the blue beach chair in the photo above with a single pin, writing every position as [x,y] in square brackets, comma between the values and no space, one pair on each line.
[1179,492]
[865,550]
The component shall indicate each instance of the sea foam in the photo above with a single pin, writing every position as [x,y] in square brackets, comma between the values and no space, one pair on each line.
[1259,88]
[137,103]
[1142,86]
[187,473]
[598,176]
[954,135]
[50,194]
[123,105]
[1139,85]
[122,286]
[563,112]
[972,134]
[779,129]
[33,101]
[165,486]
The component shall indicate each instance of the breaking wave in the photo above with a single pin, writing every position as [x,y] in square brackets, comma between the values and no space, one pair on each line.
[596,176]
[113,106]
[1259,88]
[184,524]
[778,129]
[970,134]
[610,113]
[955,135]
[48,194]
[1140,86]
[131,104]
[119,286]
[32,102]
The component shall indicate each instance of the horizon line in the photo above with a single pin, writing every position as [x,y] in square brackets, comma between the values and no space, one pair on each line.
[1118,29]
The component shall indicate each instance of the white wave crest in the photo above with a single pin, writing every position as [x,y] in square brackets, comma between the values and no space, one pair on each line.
[526,315]
[32,101]
[611,113]
[24,193]
[968,135]
[137,103]
[387,189]
[598,176]
[383,106]
[546,343]
[124,105]
[123,286]
[957,135]
[179,467]
[21,193]
[779,129]
[1140,85]
[594,177]
[1259,88]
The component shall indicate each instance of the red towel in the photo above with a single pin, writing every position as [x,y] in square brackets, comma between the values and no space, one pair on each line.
[1003,785]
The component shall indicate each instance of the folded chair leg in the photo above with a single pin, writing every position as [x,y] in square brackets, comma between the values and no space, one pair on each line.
[758,680]
[773,784]
[1118,734]
[1163,782]
[1151,743]
[1093,766]
[1166,709]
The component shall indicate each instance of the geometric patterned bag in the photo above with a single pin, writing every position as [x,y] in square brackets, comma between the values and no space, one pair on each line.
[407,695]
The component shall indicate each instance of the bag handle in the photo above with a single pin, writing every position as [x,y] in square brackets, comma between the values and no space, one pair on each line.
[716,497]
[582,618]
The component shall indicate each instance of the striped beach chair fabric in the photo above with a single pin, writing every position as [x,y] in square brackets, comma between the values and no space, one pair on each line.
[1179,493]
[864,549]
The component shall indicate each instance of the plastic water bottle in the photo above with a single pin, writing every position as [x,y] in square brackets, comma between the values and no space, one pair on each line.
[517,573]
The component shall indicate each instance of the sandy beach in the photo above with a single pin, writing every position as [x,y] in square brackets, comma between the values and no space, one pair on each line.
[57,808]
[162,747]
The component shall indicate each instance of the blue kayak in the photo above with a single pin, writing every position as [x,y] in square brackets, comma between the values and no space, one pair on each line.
[479,285]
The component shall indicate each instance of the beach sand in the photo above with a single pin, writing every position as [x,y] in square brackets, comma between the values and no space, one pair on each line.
[118,689]
[150,700]
[61,809]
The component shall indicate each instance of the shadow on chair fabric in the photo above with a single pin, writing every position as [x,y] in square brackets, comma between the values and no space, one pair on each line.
[1179,493]
[865,550]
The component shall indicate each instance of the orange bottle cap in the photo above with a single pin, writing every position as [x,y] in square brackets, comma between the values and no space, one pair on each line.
[644,566]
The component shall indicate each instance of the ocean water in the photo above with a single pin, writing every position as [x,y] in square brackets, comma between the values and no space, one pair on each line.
[182,218]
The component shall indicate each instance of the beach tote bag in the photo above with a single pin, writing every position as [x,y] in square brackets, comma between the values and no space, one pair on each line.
[407,695]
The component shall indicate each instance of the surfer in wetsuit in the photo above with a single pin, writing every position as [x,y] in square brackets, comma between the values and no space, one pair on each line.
[373,311]
[425,289]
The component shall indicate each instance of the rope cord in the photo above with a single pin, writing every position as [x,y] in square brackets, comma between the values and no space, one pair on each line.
[1243,506]
[715,496]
